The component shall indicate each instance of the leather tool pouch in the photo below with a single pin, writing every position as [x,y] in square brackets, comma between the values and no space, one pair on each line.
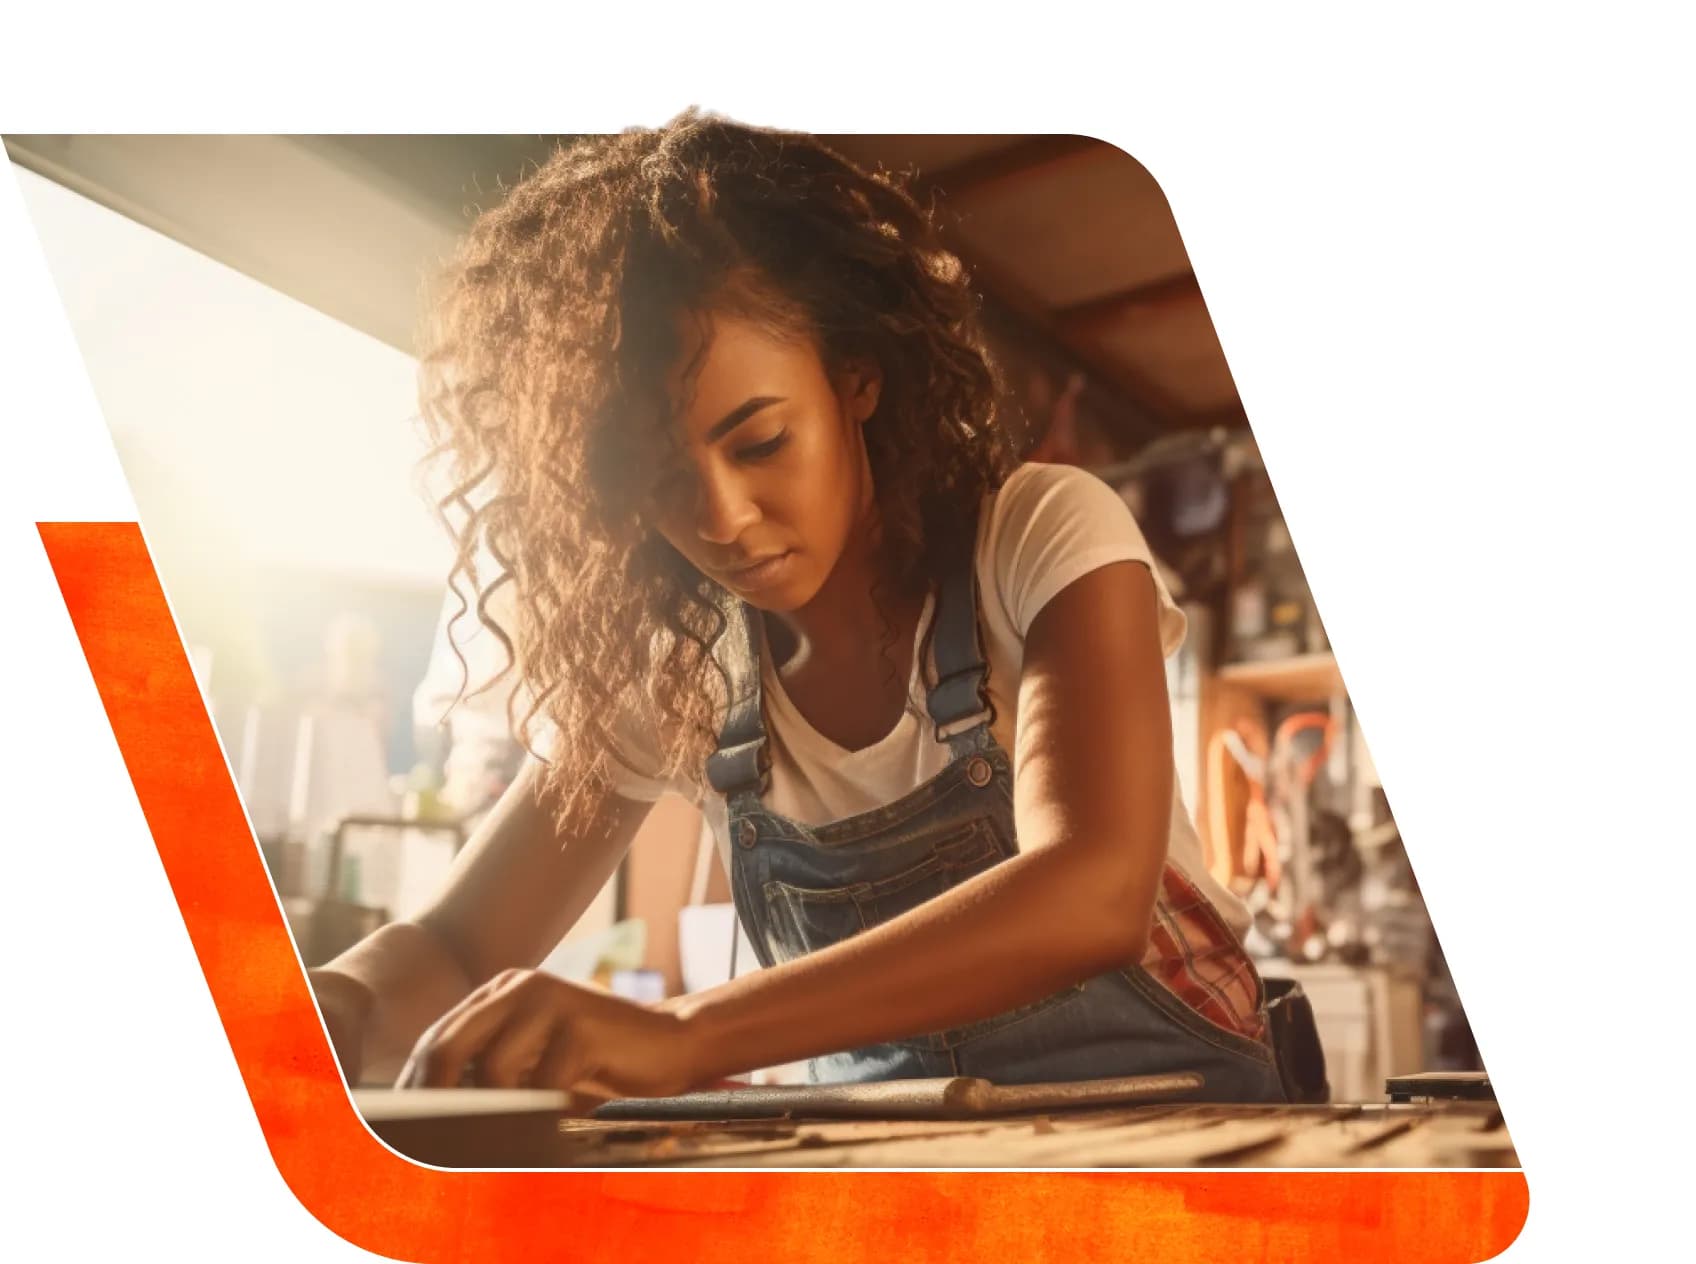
[1295,1042]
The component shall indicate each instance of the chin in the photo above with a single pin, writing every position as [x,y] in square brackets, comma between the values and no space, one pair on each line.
[776,601]
[781,593]
[785,598]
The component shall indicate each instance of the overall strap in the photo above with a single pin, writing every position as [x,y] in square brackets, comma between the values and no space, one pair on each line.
[958,704]
[739,766]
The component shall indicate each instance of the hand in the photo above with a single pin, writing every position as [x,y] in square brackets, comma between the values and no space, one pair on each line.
[526,1029]
[346,1006]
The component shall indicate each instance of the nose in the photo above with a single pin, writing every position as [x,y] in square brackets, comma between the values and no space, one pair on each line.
[723,507]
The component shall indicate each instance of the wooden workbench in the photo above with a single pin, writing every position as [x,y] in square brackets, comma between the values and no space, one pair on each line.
[1416,1135]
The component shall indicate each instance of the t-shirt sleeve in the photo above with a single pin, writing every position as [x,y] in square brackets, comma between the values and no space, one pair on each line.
[1052,524]
[635,770]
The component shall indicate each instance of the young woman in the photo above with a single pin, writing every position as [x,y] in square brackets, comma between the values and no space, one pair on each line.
[719,408]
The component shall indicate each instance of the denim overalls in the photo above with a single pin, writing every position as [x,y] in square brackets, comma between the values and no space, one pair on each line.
[799,888]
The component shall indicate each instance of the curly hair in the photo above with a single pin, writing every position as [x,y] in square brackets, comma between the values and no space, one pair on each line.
[545,356]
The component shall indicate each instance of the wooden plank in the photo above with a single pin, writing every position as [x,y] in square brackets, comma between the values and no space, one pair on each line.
[1458,1137]
[1175,1135]
[1341,1136]
[1029,159]
[865,1143]
[1089,318]
[378,1105]
[1042,1142]
[1340,1142]
[1126,1146]
[790,1146]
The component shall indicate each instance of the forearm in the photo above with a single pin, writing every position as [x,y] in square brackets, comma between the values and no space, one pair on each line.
[515,889]
[401,979]
[1026,928]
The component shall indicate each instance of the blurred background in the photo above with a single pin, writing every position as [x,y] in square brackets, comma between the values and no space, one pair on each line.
[246,304]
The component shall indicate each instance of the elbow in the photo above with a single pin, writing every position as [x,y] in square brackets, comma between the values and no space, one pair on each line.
[1123,944]
[1135,943]
[1100,904]
[1115,933]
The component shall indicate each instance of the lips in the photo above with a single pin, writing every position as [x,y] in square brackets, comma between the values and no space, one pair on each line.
[760,572]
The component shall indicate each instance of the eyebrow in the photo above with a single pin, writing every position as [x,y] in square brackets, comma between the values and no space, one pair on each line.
[736,416]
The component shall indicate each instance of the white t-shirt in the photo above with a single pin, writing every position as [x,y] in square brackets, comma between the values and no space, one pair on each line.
[1046,527]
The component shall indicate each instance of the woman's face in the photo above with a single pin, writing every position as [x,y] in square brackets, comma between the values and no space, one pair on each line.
[769,483]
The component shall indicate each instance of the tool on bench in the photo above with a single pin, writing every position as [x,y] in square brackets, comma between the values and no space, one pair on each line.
[1471,1086]
[956,1097]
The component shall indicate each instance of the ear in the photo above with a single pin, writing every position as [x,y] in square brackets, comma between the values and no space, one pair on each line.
[861,384]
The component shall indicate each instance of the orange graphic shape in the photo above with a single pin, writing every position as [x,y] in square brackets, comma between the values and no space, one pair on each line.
[387,1204]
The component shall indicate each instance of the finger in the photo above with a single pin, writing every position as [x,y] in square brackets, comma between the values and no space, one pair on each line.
[582,1105]
[559,1067]
[562,1068]
[412,1073]
[415,1072]
[512,1051]
[443,1060]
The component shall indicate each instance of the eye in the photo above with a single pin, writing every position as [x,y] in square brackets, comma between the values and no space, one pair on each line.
[760,451]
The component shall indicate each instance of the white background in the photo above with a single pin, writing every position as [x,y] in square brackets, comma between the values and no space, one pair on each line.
[1447,253]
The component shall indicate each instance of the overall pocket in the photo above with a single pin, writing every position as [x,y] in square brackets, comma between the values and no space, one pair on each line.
[803,919]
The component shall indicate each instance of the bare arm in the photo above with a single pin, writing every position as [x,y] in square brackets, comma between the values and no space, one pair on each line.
[1093,801]
[513,893]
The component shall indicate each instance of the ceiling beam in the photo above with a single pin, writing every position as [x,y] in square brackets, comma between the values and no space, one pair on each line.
[1016,163]
[1089,318]
[1150,410]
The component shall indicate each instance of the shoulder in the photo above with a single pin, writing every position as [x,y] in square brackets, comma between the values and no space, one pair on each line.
[637,762]
[1048,526]
[1038,499]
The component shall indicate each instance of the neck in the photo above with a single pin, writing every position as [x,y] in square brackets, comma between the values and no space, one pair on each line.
[854,608]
